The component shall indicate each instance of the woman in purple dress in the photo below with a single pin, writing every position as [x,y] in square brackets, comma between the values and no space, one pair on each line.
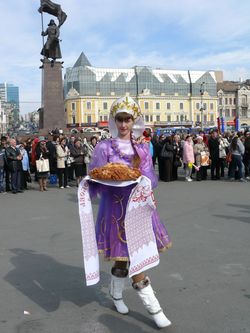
[125,123]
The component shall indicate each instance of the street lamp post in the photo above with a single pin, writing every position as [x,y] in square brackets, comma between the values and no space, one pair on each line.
[202,108]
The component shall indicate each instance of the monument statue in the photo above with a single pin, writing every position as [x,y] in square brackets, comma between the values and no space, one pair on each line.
[51,48]
[52,111]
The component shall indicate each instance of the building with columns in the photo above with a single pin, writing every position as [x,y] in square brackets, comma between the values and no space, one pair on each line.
[234,101]
[166,97]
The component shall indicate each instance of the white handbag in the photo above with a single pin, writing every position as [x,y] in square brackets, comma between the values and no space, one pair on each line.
[42,165]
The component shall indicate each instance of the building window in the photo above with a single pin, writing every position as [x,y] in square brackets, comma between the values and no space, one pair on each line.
[212,117]
[146,119]
[89,120]
[234,101]
[230,101]
[198,117]
[227,113]
[182,117]
[158,118]
[105,118]
[73,119]
[168,106]
[181,106]
[204,106]
[197,106]
[226,101]
[211,106]
[100,118]
[73,106]
[244,113]
[168,118]
[105,106]
[185,117]
[177,118]
[234,113]
[146,105]
[244,100]
[157,106]
[88,105]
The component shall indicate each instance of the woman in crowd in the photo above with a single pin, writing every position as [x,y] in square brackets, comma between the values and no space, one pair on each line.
[126,120]
[33,157]
[237,150]
[246,158]
[166,160]
[42,153]
[89,147]
[62,153]
[188,157]
[223,150]
[78,152]
[177,159]
[200,149]
[25,173]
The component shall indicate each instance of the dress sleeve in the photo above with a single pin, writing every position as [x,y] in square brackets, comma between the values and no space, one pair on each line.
[146,165]
[100,155]
[99,158]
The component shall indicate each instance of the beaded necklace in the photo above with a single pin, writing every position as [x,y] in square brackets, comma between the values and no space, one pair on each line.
[126,157]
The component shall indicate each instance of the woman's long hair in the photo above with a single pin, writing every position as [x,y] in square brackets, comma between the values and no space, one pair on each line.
[234,143]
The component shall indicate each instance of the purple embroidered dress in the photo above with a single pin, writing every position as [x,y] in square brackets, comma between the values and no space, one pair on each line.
[110,230]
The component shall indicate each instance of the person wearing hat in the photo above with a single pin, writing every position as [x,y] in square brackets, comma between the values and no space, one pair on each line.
[213,145]
[200,150]
[51,48]
[42,152]
[188,157]
[128,147]
[78,152]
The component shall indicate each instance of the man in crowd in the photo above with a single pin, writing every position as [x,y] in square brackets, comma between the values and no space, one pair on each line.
[213,144]
[14,161]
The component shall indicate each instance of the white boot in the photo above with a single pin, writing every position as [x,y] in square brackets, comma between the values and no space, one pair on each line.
[152,305]
[116,289]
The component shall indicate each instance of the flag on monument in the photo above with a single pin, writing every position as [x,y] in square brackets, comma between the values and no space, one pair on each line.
[54,9]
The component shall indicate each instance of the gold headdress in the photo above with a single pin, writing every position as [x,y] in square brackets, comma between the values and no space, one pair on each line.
[128,105]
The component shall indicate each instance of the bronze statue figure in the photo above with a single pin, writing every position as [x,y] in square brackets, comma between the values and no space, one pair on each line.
[51,48]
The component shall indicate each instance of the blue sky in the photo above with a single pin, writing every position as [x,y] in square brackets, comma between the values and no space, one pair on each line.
[184,34]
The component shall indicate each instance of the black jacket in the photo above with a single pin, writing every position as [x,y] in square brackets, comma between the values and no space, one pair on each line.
[13,163]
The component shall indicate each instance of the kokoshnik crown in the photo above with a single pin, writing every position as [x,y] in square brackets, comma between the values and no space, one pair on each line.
[128,105]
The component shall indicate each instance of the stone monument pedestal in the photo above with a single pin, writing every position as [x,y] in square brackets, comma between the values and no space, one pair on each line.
[52,113]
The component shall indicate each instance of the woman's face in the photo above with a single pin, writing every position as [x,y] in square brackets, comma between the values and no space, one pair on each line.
[63,142]
[93,141]
[77,144]
[176,138]
[124,125]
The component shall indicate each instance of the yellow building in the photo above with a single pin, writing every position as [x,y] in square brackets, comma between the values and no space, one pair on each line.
[167,98]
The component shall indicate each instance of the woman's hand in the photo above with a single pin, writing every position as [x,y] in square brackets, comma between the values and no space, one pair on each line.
[139,140]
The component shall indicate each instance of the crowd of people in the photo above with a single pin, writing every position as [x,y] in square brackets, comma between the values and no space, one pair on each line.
[60,160]
[57,160]
[197,154]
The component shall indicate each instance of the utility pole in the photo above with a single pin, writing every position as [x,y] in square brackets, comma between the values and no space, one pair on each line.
[202,107]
